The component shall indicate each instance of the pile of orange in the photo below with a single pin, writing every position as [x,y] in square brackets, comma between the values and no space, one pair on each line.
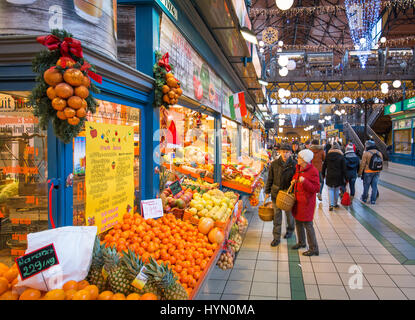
[8,278]
[168,240]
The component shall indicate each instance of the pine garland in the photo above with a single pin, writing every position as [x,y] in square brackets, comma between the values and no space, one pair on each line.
[160,80]
[42,106]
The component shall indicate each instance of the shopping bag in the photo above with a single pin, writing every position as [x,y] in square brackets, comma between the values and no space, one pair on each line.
[73,246]
[261,197]
[346,201]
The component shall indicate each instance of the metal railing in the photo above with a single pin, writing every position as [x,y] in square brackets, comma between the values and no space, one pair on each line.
[374,115]
[382,147]
[352,136]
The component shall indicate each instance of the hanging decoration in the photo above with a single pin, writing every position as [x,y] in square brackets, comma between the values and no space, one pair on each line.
[63,91]
[270,35]
[167,88]
[293,117]
[362,17]
[303,110]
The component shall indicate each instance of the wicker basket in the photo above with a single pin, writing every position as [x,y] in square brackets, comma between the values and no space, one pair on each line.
[286,199]
[266,212]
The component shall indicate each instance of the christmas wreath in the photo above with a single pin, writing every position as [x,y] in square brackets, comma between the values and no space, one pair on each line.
[167,88]
[63,90]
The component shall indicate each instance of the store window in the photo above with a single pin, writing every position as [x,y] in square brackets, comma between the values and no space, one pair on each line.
[112,114]
[23,175]
[229,142]
[187,143]
[402,141]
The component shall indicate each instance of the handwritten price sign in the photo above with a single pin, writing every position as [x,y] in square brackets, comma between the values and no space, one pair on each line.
[37,261]
[152,208]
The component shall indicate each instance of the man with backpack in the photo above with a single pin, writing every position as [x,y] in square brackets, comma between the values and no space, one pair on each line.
[370,167]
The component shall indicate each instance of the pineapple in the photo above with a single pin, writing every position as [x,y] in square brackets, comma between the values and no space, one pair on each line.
[134,265]
[171,289]
[95,271]
[118,275]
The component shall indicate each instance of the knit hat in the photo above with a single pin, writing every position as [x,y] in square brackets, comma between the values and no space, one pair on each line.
[335,145]
[370,143]
[306,154]
[349,148]
[285,146]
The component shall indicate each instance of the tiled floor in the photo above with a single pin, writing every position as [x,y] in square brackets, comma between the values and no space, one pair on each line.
[377,240]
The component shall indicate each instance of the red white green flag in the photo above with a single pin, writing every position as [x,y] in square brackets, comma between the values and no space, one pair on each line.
[237,106]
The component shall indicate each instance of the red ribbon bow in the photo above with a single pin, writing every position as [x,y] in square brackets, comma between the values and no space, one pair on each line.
[91,74]
[164,62]
[68,45]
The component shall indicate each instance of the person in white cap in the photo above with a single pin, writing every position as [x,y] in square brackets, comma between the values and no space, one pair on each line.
[307,185]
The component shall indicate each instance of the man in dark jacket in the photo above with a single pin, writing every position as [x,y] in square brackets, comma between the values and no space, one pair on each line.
[334,171]
[280,175]
[352,167]
[295,150]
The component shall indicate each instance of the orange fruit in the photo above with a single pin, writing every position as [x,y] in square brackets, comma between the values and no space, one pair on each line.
[30,294]
[56,294]
[75,102]
[82,92]
[71,284]
[93,290]
[9,295]
[133,296]
[82,284]
[61,115]
[81,113]
[105,295]
[4,285]
[58,103]
[148,296]
[118,296]
[50,92]
[14,282]
[86,81]
[73,120]
[69,294]
[74,77]
[82,295]
[63,90]
[11,274]
[69,63]
[52,77]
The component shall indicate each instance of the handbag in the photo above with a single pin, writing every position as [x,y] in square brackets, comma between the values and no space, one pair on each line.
[346,201]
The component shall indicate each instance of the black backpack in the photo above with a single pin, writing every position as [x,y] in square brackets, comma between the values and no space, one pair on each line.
[376,162]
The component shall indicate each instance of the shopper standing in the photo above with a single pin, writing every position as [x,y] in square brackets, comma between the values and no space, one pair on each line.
[280,175]
[352,167]
[276,151]
[307,144]
[327,147]
[295,149]
[370,167]
[307,184]
[318,159]
[334,171]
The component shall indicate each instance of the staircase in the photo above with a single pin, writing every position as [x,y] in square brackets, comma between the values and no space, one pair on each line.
[374,115]
[382,147]
[352,136]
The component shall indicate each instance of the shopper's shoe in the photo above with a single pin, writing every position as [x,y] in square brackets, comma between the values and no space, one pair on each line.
[372,202]
[288,235]
[336,206]
[364,201]
[310,253]
[331,208]
[319,197]
[298,246]
[275,243]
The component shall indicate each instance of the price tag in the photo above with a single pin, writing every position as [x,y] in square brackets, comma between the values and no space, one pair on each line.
[152,208]
[37,261]
[175,187]
[140,281]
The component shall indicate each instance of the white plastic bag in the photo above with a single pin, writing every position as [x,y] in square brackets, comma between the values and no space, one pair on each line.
[73,246]
[261,198]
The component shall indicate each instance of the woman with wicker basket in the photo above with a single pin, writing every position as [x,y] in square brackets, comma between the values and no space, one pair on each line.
[306,185]
[280,175]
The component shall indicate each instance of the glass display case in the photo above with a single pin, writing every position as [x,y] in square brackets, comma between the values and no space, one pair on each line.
[402,141]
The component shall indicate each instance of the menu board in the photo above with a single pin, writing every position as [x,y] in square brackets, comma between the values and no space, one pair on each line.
[109,173]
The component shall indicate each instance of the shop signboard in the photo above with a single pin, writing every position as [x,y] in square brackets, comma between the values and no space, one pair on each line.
[109,173]
[393,108]
[409,104]
[198,81]
[93,22]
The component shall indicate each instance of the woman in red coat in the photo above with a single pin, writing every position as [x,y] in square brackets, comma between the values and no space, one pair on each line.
[307,185]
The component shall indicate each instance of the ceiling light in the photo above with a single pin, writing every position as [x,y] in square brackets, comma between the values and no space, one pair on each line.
[249,35]
[284,4]
[384,86]
[291,65]
[283,61]
[261,43]
[262,82]
[382,40]
[362,40]
[261,50]
[280,43]
[385,91]
[396,84]
[287,93]
[283,71]
[280,130]
[279,50]
[343,111]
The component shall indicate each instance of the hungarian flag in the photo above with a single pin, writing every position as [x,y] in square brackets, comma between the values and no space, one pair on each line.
[237,106]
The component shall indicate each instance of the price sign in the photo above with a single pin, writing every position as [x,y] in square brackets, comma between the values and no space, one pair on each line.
[37,261]
[175,187]
[152,208]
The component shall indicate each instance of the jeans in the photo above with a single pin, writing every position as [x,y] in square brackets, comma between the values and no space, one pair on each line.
[370,180]
[333,195]
[321,183]
[352,182]
[304,227]
[276,231]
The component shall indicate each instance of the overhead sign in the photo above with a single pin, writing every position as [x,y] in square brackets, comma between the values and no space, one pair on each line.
[166,4]
[393,108]
[409,104]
